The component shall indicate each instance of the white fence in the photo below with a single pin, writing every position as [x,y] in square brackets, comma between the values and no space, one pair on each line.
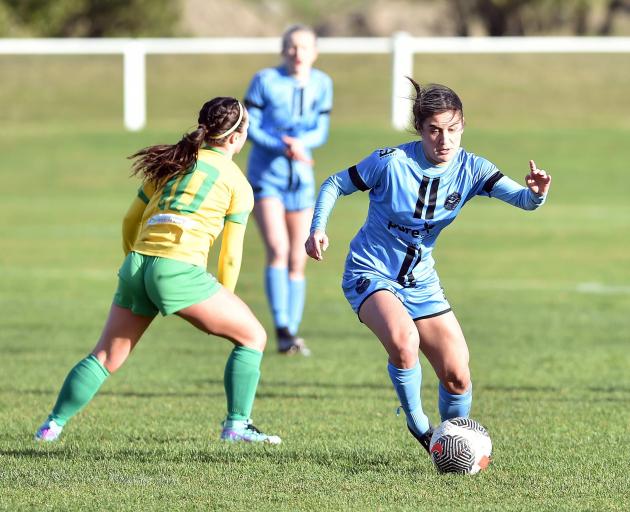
[401,46]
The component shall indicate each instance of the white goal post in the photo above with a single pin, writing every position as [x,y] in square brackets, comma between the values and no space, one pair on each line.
[402,46]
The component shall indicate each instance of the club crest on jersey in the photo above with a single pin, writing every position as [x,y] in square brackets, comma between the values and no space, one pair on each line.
[451,202]
[385,151]
[362,284]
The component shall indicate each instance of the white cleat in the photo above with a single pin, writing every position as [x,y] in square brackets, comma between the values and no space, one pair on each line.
[49,431]
[243,431]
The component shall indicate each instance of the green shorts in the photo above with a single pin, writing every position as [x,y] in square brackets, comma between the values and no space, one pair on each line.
[148,284]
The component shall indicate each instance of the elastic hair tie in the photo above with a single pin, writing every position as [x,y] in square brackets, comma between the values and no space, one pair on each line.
[238,121]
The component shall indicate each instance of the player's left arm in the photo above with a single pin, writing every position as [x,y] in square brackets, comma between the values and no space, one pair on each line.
[318,134]
[532,196]
[235,222]
[231,254]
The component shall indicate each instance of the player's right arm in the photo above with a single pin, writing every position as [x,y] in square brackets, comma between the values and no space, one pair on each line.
[363,176]
[256,101]
[132,221]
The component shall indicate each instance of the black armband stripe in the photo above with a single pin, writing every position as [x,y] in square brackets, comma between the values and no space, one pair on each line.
[357,181]
[250,104]
[325,112]
[492,181]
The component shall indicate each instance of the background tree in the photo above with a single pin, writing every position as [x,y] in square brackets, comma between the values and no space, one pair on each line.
[615,7]
[90,18]
[527,17]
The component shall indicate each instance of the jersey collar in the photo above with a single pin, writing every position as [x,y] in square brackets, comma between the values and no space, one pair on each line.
[429,168]
[214,149]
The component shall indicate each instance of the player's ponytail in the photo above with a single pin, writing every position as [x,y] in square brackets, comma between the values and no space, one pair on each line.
[432,99]
[218,118]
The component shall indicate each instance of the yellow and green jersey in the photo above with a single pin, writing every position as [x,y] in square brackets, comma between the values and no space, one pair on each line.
[182,219]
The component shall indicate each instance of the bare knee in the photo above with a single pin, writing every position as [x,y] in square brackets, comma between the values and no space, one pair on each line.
[278,255]
[255,337]
[110,359]
[296,272]
[405,350]
[457,382]
[297,263]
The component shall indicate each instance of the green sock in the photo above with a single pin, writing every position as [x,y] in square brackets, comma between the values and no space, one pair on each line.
[81,384]
[242,372]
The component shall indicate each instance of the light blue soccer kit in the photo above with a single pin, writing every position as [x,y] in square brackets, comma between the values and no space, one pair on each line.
[280,105]
[411,201]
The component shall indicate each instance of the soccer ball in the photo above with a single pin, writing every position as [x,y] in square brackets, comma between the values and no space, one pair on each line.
[460,445]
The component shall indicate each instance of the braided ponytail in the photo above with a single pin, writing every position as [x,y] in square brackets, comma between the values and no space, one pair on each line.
[218,118]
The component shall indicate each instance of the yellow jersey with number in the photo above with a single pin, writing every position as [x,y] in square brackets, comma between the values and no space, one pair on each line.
[182,219]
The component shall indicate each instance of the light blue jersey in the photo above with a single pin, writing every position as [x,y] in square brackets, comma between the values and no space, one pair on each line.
[279,105]
[411,202]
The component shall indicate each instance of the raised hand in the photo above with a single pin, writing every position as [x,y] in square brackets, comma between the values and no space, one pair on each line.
[316,244]
[538,181]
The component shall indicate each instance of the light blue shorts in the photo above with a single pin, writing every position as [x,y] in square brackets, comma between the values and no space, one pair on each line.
[274,175]
[295,199]
[425,300]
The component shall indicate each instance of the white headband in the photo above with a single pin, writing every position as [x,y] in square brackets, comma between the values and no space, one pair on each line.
[238,121]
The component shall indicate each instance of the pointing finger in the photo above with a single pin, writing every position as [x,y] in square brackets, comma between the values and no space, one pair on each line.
[532,165]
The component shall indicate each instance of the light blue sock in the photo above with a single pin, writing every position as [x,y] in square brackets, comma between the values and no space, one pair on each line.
[407,385]
[297,292]
[277,289]
[454,406]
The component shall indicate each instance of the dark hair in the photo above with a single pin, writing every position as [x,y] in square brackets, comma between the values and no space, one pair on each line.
[162,162]
[433,99]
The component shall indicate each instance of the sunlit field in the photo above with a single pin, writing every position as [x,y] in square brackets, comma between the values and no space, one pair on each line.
[543,299]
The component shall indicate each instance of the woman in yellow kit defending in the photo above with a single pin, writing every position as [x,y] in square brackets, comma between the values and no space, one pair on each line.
[190,192]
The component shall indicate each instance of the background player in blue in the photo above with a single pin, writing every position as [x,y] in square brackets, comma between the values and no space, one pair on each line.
[416,190]
[289,109]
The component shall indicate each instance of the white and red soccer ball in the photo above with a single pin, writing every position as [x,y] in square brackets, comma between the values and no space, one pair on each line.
[460,445]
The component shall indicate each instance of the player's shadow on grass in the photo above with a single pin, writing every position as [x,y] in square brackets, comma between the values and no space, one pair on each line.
[598,393]
[305,384]
[34,453]
[304,389]
[268,389]
[523,389]
[343,460]
[130,394]
[290,391]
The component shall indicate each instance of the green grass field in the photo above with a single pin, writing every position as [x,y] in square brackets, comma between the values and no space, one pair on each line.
[543,299]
